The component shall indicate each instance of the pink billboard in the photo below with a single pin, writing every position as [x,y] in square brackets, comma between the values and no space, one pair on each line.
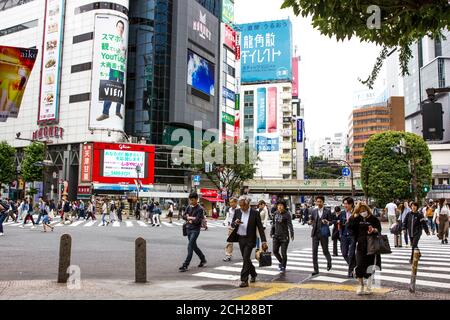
[295,77]
[272,109]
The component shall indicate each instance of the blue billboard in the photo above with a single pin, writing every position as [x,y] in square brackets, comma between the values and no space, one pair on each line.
[200,73]
[267,144]
[266,51]
[299,130]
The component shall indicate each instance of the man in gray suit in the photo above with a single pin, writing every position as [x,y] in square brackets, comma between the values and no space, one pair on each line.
[320,219]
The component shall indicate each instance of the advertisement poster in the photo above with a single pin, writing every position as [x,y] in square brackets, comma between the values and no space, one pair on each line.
[266,51]
[230,38]
[228,11]
[16,65]
[200,74]
[299,130]
[261,111]
[51,61]
[295,77]
[122,164]
[109,73]
[272,92]
[86,162]
[266,143]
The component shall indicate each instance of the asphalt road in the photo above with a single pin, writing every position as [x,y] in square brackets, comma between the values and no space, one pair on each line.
[108,252]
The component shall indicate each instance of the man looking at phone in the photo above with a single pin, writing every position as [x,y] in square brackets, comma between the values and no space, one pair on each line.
[319,220]
[245,222]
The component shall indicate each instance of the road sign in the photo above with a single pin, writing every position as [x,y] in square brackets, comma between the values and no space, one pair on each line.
[196,180]
[346,172]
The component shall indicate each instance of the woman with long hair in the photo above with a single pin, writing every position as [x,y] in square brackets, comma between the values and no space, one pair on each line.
[363,225]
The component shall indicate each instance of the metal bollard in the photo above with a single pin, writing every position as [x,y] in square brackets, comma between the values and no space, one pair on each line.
[415,264]
[141,260]
[65,247]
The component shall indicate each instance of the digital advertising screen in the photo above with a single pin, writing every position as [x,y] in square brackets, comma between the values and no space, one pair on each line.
[200,74]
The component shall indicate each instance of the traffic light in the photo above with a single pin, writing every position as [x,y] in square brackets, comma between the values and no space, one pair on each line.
[426,188]
[432,121]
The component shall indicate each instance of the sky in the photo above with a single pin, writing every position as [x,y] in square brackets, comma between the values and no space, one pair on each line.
[328,70]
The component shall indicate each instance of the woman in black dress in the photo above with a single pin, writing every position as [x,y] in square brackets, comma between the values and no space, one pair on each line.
[364,224]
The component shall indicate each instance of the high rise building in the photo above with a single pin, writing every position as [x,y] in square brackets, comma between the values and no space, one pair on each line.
[371,119]
[114,74]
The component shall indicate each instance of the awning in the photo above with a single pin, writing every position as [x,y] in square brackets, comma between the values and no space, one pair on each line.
[213,199]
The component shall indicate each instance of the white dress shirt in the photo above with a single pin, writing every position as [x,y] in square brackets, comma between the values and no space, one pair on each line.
[242,231]
[320,212]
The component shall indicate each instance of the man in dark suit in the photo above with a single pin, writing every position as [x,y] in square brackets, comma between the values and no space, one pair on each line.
[320,219]
[245,222]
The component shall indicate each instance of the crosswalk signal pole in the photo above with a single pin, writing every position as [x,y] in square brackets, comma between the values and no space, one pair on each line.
[415,264]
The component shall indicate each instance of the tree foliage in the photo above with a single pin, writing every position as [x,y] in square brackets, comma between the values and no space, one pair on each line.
[7,168]
[228,172]
[316,171]
[386,175]
[403,22]
[33,153]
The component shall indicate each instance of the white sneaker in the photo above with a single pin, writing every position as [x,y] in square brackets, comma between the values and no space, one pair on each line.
[21,226]
[368,288]
[1,234]
[33,227]
[360,290]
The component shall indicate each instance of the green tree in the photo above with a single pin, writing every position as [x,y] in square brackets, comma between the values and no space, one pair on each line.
[386,175]
[228,172]
[318,168]
[33,153]
[7,168]
[402,23]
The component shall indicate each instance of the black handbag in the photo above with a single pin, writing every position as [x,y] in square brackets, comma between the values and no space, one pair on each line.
[265,259]
[234,237]
[378,244]
[185,229]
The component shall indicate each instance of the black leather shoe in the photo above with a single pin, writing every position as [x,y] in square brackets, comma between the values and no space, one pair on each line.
[183,269]
[202,264]
[315,273]
[243,284]
[253,279]
[329,268]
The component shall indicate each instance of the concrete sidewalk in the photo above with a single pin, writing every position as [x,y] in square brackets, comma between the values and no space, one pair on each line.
[197,290]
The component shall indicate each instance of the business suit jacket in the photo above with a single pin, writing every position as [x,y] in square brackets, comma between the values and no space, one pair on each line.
[254,222]
[317,222]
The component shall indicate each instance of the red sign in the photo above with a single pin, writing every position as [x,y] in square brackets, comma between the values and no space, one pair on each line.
[84,190]
[237,128]
[146,177]
[209,193]
[230,38]
[238,52]
[48,132]
[86,162]
[295,77]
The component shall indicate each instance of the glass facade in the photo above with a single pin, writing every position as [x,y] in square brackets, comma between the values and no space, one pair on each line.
[149,69]
[212,6]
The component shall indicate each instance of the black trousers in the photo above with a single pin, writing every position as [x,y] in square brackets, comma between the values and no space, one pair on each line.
[283,243]
[246,248]
[324,243]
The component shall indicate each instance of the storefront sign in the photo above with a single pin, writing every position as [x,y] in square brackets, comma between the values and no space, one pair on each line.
[84,190]
[48,132]
[209,193]
[86,163]
[201,28]
[230,38]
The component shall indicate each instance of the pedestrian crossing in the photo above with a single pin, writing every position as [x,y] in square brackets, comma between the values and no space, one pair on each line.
[116,224]
[433,271]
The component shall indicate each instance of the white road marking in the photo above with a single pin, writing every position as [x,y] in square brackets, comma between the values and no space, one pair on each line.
[217,276]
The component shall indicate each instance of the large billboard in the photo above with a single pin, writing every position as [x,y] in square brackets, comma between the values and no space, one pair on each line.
[51,61]
[267,137]
[116,163]
[200,74]
[228,11]
[295,77]
[266,51]
[16,65]
[109,73]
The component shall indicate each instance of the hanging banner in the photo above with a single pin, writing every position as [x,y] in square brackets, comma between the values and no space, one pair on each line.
[109,73]
[261,111]
[272,93]
[86,162]
[16,65]
[51,61]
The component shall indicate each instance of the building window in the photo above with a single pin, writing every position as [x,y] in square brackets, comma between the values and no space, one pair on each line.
[19,27]
[80,97]
[83,37]
[437,47]
[81,67]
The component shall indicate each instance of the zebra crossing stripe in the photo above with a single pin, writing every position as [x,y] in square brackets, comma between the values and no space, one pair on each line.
[329,279]
[116,224]
[217,276]
[129,224]
[75,224]
[141,223]
[90,223]
[259,271]
[167,224]
[178,223]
